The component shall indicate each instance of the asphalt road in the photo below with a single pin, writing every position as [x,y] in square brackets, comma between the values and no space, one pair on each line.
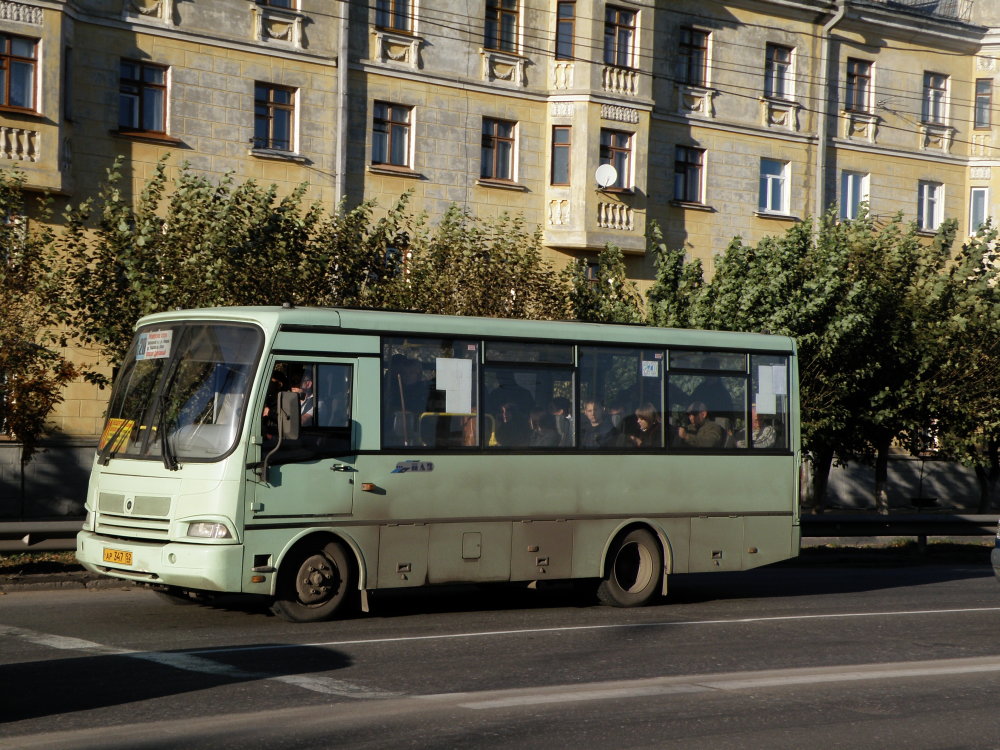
[863,657]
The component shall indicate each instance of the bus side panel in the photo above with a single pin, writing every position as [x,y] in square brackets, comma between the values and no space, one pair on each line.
[469,552]
[762,536]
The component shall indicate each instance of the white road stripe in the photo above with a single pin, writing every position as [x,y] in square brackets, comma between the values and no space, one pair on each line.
[576,628]
[723,683]
[192,663]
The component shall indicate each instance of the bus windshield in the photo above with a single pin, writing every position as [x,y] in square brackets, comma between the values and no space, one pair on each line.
[181,392]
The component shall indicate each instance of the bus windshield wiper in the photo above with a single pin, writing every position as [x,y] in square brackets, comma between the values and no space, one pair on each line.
[169,458]
[109,450]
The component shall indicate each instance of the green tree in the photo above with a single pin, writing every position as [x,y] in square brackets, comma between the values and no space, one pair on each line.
[33,369]
[860,300]
[605,295]
[492,268]
[960,387]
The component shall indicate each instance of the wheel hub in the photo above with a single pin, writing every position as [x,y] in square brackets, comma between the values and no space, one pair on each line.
[317,581]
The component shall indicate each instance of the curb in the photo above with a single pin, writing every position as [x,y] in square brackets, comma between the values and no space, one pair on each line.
[60,581]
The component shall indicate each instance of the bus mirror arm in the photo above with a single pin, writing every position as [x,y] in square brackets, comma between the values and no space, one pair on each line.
[289,423]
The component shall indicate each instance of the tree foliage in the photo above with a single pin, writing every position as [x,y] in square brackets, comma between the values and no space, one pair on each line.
[33,369]
[604,294]
[202,244]
[881,319]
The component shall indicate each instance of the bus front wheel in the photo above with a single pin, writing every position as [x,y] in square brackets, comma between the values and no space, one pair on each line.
[633,571]
[313,584]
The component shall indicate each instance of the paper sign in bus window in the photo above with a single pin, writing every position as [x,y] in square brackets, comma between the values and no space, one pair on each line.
[769,385]
[454,377]
[154,345]
[650,369]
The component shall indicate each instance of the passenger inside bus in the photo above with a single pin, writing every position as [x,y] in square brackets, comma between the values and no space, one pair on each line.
[700,432]
[648,428]
[596,431]
[561,410]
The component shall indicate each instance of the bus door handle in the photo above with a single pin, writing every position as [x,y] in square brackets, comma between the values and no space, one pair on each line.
[341,467]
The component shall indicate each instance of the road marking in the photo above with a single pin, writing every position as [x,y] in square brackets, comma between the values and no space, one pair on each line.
[733,682]
[580,628]
[190,662]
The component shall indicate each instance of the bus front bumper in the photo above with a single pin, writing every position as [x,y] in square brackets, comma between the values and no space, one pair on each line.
[204,567]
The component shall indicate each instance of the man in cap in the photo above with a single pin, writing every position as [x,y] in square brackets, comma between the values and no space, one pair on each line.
[701,432]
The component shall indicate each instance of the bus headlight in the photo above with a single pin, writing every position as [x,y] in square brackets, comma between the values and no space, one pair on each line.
[208,530]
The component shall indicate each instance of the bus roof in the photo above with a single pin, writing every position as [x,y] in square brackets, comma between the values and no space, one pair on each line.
[406,323]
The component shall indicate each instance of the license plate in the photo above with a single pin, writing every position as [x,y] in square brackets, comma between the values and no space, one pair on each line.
[117,556]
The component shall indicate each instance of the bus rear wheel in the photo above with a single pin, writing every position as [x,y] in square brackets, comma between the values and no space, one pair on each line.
[633,571]
[313,584]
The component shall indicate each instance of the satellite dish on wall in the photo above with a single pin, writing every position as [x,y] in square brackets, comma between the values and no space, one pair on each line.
[606,175]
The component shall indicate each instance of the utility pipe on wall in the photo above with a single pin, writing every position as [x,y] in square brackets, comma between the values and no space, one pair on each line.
[343,52]
[824,107]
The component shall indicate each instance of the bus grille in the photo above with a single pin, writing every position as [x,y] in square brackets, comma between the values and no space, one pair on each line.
[139,517]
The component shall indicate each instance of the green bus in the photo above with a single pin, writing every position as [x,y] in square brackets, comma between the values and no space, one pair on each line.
[314,455]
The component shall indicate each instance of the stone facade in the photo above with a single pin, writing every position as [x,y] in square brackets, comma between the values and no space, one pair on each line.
[741,86]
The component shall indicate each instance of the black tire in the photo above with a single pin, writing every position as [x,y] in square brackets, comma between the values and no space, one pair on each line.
[314,584]
[633,571]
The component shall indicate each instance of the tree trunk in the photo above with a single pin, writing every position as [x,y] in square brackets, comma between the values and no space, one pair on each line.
[882,473]
[822,461]
[987,478]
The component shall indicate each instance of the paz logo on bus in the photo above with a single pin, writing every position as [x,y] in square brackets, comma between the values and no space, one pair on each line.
[406,466]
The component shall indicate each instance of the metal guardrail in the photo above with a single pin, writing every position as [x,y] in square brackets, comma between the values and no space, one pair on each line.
[39,536]
[31,536]
[903,524]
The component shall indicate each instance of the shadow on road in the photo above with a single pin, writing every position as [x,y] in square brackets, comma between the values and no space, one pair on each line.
[53,687]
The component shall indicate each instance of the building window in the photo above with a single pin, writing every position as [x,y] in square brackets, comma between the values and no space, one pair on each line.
[930,205]
[858,91]
[688,166]
[391,134]
[616,150]
[853,192]
[290,4]
[692,57]
[497,159]
[18,60]
[561,143]
[142,96]
[773,186]
[565,27]
[619,36]
[935,98]
[501,25]
[778,72]
[394,15]
[979,208]
[984,102]
[273,117]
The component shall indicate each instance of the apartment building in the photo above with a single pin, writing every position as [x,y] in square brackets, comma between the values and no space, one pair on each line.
[591,119]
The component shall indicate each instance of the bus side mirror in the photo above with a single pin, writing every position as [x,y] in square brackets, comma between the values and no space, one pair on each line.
[289,416]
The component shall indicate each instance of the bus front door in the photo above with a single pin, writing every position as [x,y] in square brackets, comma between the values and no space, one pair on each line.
[309,479]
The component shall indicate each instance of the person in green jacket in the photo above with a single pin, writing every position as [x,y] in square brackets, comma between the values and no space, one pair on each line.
[701,432]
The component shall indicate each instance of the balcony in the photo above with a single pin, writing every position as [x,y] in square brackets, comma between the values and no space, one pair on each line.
[960,10]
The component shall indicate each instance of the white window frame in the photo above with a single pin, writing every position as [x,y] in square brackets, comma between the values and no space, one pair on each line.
[930,205]
[864,106]
[935,99]
[769,178]
[853,191]
[779,78]
[984,198]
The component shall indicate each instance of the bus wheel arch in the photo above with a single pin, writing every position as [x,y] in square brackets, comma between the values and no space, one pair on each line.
[317,579]
[634,570]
